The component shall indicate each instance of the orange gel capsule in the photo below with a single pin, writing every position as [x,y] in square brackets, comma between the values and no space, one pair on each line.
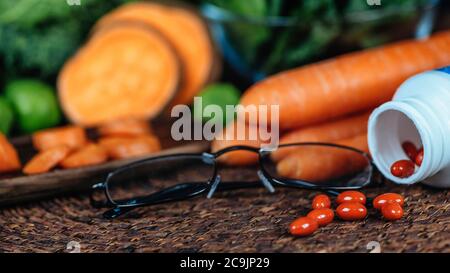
[403,168]
[303,226]
[392,211]
[351,211]
[321,201]
[351,196]
[385,198]
[323,216]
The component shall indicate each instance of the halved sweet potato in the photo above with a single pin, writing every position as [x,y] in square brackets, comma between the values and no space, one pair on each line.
[9,159]
[71,136]
[126,147]
[92,154]
[185,30]
[46,160]
[124,71]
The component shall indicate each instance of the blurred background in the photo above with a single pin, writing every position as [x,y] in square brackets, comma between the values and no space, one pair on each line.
[255,38]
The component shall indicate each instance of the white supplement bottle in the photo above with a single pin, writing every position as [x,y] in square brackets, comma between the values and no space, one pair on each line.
[420,113]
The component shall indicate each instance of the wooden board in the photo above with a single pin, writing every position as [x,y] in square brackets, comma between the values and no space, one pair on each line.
[25,188]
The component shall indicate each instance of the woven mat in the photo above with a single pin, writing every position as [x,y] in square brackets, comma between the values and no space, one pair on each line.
[240,221]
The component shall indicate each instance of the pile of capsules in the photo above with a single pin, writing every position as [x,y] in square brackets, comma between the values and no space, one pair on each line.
[351,207]
[405,168]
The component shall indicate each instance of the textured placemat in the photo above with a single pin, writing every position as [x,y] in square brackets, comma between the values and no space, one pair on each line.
[242,221]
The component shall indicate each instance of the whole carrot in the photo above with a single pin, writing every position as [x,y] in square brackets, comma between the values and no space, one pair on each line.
[9,159]
[317,164]
[324,132]
[348,83]
[231,138]
[343,128]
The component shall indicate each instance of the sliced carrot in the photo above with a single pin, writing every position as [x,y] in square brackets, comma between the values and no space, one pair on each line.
[125,127]
[343,128]
[347,84]
[126,147]
[46,160]
[124,71]
[185,30]
[318,164]
[9,159]
[92,154]
[70,136]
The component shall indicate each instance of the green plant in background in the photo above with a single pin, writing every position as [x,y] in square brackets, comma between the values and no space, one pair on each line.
[37,36]
[310,30]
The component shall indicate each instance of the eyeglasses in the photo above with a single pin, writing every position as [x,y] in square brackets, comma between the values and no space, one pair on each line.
[316,166]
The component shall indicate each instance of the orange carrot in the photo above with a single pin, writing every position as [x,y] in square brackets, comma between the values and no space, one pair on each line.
[46,160]
[125,127]
[70,136]
[317,164]
[349,83]
[89,155]
[9,159]
[126,147]
[185,30]
[325,132]
[230,138]
[124,71]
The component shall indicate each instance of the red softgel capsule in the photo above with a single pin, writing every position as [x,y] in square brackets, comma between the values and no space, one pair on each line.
[321,201]
[385,198]
[410,149]
[303,226]
[323,216]
[419,158]
[403,168]
[351,211]
[392,211]
[351,196]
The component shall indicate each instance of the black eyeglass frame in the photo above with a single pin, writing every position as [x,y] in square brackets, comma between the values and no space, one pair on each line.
[189,190]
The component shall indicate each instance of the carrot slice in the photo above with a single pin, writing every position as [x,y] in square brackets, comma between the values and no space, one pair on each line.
[125,127]
[347,84]
[9,159]
[126,147]
[46,160]
[319,164]
[124,71]
[70,136]
[186,31]
[89,155]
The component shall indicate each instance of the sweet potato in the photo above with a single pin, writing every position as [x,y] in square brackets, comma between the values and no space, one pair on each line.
[185,30]
[46,160]
[71,136]
[126,147]
[91,154]
[9,159]
[125,127]
[124,71]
